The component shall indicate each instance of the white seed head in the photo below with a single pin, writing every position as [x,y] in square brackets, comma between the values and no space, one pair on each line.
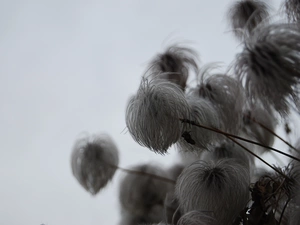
[196,138]
[153,114]
[174,65]
[93,161]
[245,15]
[292,10]
[227,96]
[221,188]
[269,66]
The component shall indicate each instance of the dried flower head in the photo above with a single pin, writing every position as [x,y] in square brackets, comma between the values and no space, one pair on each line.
[227,96]
[196,138]
[152,115]
[174,65]
[269,65]
[197,218]
[93,161]
[220,188]
[292,10]
[139,193]
[245,15]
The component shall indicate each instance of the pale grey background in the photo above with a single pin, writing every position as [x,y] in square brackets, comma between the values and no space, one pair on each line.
[68,67]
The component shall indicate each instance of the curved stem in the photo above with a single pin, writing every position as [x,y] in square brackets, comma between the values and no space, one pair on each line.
[285,205]
[143,174]
[261,159]
[231,137]
[240,138]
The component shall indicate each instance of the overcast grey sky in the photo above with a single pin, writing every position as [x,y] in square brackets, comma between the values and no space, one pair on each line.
[69,67]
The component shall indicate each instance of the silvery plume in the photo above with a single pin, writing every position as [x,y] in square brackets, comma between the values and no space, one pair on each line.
[174,65]
[292,10]
[227,96]
[220,188]
[94,160]
[152,115]
[269,66]
[197,218]
[140,194]
[227,149]
[196,138]
[245,15]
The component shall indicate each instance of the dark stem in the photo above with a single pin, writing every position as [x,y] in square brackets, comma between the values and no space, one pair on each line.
[285,205]
[237,137]
[143,174]
[278,171]
[230,136]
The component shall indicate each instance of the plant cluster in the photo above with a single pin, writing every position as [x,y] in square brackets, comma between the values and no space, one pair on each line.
[221,128]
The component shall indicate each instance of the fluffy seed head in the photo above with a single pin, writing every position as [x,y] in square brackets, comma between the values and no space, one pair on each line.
[152,115]
[93,161]
[269,65]
[174,65]
[139,193]
[195,138]
[227,96]
[245,15]
[292,9]
[221,188]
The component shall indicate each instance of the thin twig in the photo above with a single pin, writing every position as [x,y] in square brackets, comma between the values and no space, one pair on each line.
[238,137]
[261,159]
[285,205]
[143,174]
[230,136]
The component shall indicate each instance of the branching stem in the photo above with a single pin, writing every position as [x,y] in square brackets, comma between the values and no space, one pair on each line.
[231,137]
[240,138]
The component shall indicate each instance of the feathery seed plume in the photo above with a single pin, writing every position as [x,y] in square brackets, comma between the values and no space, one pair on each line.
[93,161]
[152,115]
